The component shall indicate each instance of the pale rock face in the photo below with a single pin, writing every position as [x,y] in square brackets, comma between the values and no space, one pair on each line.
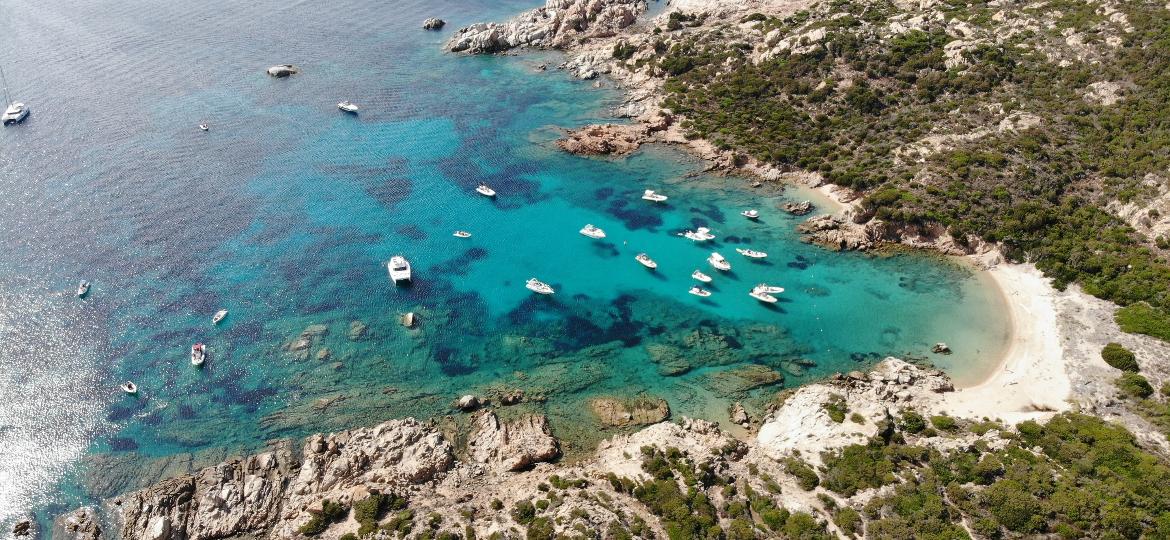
[556,25]
[512,446]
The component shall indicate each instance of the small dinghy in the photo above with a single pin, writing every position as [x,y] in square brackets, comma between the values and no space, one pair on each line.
[718,262]
[646,261]
[203,127]
[650,195]
[593,232]
[762,296]
[770,289]
[399,269]
[348,106]
[751,253]
[82,288]
[486,191]
[751,214]
[198,354]
[539,287]
[699,291]
[129,388]
[219,315]
[461,234]
[701,276]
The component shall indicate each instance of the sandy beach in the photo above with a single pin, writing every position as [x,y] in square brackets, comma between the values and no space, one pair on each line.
[1031,381]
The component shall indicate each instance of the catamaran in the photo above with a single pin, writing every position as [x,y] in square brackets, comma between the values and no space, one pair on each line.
[15,112]
[718,262]
[198,354]
[701,276]
[399,269]
[539,287]
[486,191]
[646,261]
[650,195]
[751,253]
[593,232]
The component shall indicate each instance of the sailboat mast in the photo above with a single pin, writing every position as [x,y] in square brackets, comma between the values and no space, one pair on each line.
[4,81]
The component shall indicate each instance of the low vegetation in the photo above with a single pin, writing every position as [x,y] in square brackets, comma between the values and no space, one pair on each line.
[1119,357]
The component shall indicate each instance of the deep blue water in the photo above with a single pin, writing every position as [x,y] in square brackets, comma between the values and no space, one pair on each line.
[285,211]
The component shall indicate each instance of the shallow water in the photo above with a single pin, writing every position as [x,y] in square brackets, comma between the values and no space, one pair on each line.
[285,212]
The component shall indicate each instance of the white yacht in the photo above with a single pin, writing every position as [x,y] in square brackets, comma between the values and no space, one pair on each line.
[701,276]
[198,354]
[593,232]
[718,262]
[751,253]
[646,261]
[82,288]
[348,106]
[14,112]
[486,191]
[219,315]
[399,269]
[203,127]
[539,287]
[751,214]
[762,296]
[650,195]
[129,388]
[699,291]
[461,234]
[770,289]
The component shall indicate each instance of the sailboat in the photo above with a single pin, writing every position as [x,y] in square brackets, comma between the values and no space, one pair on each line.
[14,112]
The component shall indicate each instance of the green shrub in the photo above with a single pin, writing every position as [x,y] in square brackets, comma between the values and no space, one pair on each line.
[848,520]
[348,536]
[1119,357]
[806,477]
[912,422]
[1141,318]
[836,407]
[857,418]
[401,524]
[541,528]
[523,512]
[1166,389]
[1134,385]
[944,423]
[623,50]
[331,512]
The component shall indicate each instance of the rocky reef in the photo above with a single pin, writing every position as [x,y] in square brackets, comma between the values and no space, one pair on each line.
[556,25]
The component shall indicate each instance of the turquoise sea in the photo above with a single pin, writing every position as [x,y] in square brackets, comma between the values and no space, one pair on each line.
[286,210]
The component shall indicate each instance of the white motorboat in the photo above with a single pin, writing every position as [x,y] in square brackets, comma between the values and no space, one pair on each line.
[14,112]
[82,288]
[646,261]
[762,296]
[751,253]
[129,388]
[399,269]
[593,232]
[650,195]
[486,191]
[770,289]
[219,315]
[204,127]
[701,276]
[198,354]
[702,234]
[751,214]
[348,106]
[699,291]
[718,262]
[461,234]
[539,287]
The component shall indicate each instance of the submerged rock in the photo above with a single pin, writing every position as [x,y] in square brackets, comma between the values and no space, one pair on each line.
[738,381]
[940,348]
[80,524]
[357,331]
[512,446]
[615,412]
[434,23]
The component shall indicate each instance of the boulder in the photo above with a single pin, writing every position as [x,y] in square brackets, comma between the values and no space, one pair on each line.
[615,412]
[283,70]
[940,348]
[512,446]
[434,23]
[739,414]
[797,209]
[23,527]
[80,524]
[357,331]
[467,403]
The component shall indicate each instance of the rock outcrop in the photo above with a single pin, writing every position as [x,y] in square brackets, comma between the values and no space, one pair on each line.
[797,209]
[597,140]
[434,23]
[80,524]
[512,446]
[836,233]
[615,412]
[556,25]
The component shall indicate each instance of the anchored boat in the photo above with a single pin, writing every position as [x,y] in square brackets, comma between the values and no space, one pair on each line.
[82,288]
[701,276]
[699,291]
[646,261]
[539,287]
[486,191]
[198,354]
[650,195]
[593,232]
[751,253]
[129,388]
[718,262]
[751,214]
[762,296]
[348,106]
[219,315]
[399,269]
